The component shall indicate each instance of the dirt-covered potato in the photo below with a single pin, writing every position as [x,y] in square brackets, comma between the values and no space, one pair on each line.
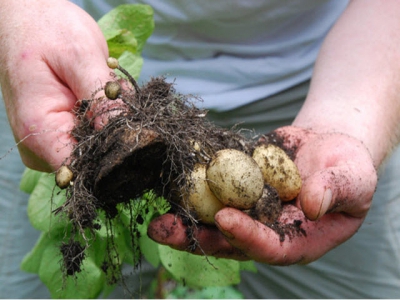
[235,178]
[278,170]
[200,198]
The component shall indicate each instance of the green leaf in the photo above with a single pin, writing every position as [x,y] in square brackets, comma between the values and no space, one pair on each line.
[213,292]
[145,209]
[199,271]
[45,260]
[45,197]
[31,262]
[87,284]
[124,41]
[150,250]
[98,250]
[29,180]
[132,63]
[127,27]
[248,266]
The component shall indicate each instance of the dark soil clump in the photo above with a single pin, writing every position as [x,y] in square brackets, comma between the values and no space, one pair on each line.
[73,255]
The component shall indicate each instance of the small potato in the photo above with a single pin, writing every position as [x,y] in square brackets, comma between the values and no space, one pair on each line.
[278,170]
[112,63]
[112,89]
[235,178]
[201,199]
[64,177]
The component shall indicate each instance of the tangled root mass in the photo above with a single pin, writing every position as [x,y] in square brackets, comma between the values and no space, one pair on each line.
[152,140]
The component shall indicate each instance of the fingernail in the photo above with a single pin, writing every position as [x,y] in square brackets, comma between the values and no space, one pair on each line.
[159,232]
[326,203]
[226,234]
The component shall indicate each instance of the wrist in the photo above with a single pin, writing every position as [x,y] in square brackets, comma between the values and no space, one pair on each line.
[366,123]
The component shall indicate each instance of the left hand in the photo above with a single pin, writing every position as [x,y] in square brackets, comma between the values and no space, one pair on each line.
[52,54]
[339,180]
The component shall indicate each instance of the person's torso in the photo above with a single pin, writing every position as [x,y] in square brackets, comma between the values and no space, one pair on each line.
[233,52]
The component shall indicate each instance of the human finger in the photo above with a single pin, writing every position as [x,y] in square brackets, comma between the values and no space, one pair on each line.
[311,240]
[169,230]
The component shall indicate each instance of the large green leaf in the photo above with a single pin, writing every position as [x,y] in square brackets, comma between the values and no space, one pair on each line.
[199,271]
[87,284]
[126,29]
[31,262]
[45,197]
[132,63]
[45,260]
[150,250]
[211,292]
[29,180]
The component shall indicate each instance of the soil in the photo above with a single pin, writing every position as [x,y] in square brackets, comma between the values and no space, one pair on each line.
[152,141]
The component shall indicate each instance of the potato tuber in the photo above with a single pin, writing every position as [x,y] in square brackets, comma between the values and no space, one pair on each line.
[112,89]
[200,198]
[64,177]
[279,171]
[235,178]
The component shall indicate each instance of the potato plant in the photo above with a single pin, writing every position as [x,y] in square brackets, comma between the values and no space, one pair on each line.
[159,143]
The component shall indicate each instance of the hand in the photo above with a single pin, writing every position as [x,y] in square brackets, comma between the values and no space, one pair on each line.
[53,53]
[339,180]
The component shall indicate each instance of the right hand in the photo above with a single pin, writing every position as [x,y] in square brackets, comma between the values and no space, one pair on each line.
[339,180]
[52,54]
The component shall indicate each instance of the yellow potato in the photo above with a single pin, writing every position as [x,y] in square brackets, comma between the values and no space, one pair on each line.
[235,178]
[200,198]
[64,177]
[112,63]
[112,89]
[279,171]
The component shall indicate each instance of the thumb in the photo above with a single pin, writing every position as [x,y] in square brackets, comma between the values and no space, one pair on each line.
[87,77]
[86,74]
[346,188]
[81,61]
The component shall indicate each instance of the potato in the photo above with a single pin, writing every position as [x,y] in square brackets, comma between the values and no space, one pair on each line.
[200,198]
[278,170]
[112,63]
[64,177]
[235,178]
[112,89]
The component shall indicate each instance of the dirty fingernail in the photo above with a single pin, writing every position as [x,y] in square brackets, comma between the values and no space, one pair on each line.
[326,202]
[226,234]
[159,232]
